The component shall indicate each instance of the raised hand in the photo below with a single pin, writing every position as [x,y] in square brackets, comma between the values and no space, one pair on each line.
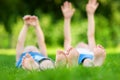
[31,20]
[92,6]
[27,20]
[34,21]
[67,9]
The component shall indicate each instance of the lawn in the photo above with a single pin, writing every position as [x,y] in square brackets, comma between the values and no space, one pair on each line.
[109,71]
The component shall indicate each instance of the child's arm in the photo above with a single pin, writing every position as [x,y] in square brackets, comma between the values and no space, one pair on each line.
[90,9]
[21,37]
[40,35]
[68,12]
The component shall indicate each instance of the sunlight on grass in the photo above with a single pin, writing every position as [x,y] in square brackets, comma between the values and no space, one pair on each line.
[7,51]
[13,52]
[53,51]
[113,50]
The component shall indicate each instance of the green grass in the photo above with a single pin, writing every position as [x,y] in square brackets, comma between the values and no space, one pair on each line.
[109,71]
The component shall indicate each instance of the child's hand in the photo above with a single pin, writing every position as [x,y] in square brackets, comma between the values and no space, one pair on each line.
[34,21]
[91,6]
[27,20]
[67,10]
[31,20]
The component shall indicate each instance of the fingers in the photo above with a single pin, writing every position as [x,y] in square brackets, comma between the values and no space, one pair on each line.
[66,5]
[70,5]
[34,18]
[27,17]
[89,1]
[97,4]
[92,6]
[93,2]
[31,20]
[62,8]
[73,10]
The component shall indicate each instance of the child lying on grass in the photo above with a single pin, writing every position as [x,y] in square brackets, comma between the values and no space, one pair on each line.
[30,57]
[87,54]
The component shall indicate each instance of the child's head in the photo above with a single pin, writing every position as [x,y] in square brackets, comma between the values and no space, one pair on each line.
[31,48]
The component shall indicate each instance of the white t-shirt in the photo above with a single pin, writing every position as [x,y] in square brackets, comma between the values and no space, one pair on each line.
[84,51]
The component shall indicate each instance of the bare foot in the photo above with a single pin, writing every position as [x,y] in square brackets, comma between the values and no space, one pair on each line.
[73,58]
[29,63]
[61,59]
[99,55]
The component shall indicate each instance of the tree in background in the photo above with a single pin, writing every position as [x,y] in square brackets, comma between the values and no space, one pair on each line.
[107,19]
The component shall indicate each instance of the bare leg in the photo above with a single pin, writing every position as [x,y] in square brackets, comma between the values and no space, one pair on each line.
[99,55]
[61,59]
[29,63]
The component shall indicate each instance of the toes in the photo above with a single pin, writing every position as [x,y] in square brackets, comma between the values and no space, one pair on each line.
[23,60]
[69,49]
[27,17]
[60,52]
[23,63]
[27,55]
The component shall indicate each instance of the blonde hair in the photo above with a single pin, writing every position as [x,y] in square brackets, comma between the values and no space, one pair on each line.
[31,48]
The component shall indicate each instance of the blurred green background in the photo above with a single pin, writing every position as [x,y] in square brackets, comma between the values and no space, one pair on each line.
[107,19]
